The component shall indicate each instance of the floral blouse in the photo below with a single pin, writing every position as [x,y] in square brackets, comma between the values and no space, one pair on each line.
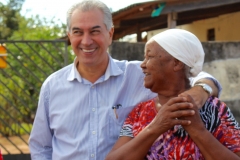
[176,143]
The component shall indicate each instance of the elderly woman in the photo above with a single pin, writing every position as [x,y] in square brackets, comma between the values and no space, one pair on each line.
[153,131]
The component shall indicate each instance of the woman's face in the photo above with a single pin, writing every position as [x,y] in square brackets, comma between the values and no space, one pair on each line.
[157,67]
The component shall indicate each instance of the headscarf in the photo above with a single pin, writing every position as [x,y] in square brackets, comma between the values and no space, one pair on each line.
[184,46]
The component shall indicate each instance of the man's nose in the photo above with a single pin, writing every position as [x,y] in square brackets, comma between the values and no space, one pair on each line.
[87,39]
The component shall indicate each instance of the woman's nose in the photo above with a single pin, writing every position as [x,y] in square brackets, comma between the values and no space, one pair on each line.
[143,64]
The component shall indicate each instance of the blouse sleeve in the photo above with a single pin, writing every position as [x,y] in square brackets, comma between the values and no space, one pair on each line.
[127,128]
[228,132]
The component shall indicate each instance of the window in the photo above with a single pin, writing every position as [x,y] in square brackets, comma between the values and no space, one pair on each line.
[211,34]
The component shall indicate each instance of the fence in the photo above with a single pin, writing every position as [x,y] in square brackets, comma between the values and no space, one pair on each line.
[30,62]
[23,68]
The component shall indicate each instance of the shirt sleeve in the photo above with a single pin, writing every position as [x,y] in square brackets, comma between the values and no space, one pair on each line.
[203,75]
[40,141]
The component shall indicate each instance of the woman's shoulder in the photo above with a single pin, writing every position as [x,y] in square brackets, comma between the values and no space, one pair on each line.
[217,112]
[146,104]
[214,102]
[144,109]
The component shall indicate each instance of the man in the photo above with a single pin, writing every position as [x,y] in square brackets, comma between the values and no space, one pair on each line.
[82,106]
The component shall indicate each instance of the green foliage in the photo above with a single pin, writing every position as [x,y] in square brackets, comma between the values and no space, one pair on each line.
[16,129]
[29,63]
[9,15]
[35,28]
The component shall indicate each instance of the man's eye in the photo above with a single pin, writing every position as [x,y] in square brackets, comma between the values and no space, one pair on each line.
[76,32]
[95,31]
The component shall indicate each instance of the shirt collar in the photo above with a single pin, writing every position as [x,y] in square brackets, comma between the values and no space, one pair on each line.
[112,70]
[73,72]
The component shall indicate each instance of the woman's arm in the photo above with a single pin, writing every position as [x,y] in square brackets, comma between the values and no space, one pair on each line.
[210,147]
[127,148]
[137,147]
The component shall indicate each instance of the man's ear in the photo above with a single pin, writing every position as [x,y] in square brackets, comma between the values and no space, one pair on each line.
[69,36]
[178,65]
[111,35]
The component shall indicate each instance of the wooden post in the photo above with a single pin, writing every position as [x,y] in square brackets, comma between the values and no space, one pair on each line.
[139,33]
[172,20]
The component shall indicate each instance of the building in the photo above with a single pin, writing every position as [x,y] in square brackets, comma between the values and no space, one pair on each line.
[209,20]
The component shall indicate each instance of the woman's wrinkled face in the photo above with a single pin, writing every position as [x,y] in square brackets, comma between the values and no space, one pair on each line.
[157,66]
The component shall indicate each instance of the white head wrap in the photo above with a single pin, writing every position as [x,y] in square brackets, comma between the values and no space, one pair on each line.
[184,46]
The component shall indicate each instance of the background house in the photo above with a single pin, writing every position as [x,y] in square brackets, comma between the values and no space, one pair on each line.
[210,20]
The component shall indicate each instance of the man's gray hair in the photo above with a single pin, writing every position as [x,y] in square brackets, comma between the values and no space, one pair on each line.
[88,5]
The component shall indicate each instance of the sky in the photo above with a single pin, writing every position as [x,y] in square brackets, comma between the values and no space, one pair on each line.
[58,8]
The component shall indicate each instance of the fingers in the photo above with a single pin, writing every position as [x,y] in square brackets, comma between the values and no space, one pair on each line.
[177,100]
[178,110]
[183,122]
[198,99]
[187,96]
[182,113]
[181,106]
[178,104]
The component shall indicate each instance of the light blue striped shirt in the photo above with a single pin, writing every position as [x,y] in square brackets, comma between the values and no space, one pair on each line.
[75,119]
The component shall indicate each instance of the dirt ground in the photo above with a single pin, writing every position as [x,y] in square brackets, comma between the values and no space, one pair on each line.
[4,142]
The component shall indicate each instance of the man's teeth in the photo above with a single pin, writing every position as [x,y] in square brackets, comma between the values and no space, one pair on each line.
[85,50]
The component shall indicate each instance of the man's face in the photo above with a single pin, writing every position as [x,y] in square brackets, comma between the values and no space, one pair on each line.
[157,67]
[89,37]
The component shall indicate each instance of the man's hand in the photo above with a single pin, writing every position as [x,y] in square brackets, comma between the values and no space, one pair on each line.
[199,95]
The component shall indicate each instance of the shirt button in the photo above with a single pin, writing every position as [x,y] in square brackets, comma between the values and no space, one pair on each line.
[93,109]
[93,132]
[92,155]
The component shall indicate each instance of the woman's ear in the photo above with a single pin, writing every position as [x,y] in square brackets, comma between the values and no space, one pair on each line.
[178,65]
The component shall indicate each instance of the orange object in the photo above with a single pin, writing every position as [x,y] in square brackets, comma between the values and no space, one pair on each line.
[3,56]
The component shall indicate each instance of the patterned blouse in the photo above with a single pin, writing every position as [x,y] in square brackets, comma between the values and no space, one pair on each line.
[176,143]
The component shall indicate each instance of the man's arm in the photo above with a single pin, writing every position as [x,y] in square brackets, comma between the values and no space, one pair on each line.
[40,141]
[204,77]
[198,93]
